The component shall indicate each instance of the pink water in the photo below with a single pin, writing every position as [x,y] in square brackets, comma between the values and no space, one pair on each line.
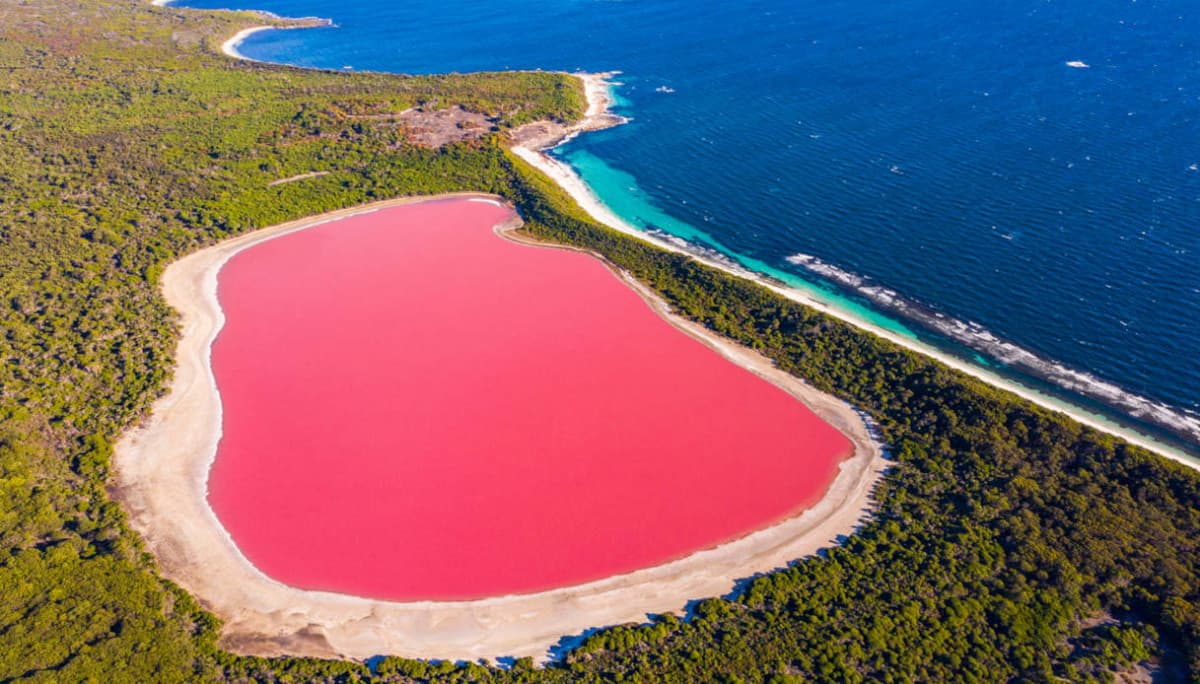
[416,408]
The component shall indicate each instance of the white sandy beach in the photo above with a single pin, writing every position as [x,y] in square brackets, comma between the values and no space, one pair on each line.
[533,151]
[230,47]
[161,473]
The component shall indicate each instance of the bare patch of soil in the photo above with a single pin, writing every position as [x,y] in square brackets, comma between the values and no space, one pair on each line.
[437,128]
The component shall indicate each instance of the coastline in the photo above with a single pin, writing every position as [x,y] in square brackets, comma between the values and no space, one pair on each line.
[325,624]
[533,152]
[541,135]
[230,46]
[161,471]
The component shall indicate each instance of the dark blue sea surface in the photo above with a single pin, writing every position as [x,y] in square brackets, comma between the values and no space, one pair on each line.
[1018,179]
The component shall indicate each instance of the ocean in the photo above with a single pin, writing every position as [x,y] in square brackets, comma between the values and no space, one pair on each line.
[1016,182]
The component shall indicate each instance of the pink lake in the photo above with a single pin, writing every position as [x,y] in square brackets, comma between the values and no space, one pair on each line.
[416,408]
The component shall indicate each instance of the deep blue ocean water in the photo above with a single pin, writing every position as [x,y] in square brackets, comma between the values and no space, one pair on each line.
[941,163]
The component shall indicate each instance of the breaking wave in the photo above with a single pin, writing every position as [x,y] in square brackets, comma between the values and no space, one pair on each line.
[1177,421]
[692,247]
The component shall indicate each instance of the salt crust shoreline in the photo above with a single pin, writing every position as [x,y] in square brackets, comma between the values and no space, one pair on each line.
[161,474]
[596,86]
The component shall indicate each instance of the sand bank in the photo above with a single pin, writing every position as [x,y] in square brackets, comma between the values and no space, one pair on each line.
[532,150]
[161,471]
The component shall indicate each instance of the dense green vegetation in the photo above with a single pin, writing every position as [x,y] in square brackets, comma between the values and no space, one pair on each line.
[1010,543]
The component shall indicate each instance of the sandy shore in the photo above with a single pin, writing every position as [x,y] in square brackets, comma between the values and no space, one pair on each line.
[230,46]
[161,472]
[532,150]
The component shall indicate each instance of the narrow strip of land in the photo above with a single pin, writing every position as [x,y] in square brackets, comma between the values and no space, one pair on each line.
[531,147]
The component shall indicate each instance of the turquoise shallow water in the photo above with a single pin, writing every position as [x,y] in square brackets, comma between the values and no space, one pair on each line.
[943,167]
[621,193]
